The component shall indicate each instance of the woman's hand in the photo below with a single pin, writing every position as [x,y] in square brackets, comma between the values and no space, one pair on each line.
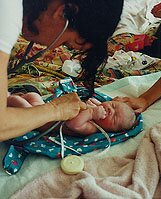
[67,107]
[139,104]
[10,23]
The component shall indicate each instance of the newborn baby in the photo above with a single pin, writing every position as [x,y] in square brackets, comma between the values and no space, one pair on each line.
[112,116]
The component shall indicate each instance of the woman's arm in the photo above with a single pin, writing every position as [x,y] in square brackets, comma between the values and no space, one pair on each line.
[17,121]
[142,102]
[81,123]
[152,95]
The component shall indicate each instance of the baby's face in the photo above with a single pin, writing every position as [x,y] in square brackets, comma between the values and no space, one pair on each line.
[118,116]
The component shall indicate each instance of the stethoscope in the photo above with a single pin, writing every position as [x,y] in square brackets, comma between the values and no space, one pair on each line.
[26,59]
[61,143]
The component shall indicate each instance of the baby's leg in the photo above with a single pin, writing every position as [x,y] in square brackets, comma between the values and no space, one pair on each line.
[17,101]
[33,98]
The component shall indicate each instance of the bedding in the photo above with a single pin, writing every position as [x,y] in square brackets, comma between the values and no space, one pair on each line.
[137,27]
[35,166]
[114,177]
[45,74]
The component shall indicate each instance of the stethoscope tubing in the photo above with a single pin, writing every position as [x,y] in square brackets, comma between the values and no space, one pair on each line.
[26,60]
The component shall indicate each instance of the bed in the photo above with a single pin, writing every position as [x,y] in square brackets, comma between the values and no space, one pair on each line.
[131,169]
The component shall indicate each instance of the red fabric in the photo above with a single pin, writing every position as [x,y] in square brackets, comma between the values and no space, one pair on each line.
[156,11]
[139,42]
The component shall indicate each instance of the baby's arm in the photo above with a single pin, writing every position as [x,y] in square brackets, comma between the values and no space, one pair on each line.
[81,123]
[92,102]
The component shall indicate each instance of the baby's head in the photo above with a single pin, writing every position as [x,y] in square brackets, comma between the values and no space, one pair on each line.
[119,117]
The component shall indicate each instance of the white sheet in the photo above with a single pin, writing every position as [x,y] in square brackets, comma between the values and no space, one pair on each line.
[136,17]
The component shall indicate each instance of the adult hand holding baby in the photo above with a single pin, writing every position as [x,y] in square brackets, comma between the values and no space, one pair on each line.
[67,106]
[138,104]
[141,103]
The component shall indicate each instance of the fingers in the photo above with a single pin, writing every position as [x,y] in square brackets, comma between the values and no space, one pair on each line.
[99,113]
[90,104]
[83,105]
[102,112]
[129,101]
[121,99]
[68,106]
[94,101]
[140,109]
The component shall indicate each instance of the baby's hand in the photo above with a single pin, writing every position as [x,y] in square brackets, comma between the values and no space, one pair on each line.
[99,113]
[91,102]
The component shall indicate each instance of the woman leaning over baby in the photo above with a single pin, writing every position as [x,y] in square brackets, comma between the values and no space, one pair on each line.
[42,22]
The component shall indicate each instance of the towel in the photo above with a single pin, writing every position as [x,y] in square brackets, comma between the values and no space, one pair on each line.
[135,175]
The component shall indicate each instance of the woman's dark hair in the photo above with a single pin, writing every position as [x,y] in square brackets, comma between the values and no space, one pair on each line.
[94,20]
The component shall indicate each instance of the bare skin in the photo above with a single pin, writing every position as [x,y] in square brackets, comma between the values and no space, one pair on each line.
[17,121]
[111,116]
[141,103]
[50,24]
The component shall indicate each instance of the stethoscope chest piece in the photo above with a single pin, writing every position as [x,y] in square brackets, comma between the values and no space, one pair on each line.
[72,164]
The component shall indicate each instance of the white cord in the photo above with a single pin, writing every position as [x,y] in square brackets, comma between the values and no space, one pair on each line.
[61,143]
[57,142]
[62,140]
[104,133]
[62,32]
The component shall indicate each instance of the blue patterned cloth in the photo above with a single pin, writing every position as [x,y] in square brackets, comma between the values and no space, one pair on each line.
[17,152]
